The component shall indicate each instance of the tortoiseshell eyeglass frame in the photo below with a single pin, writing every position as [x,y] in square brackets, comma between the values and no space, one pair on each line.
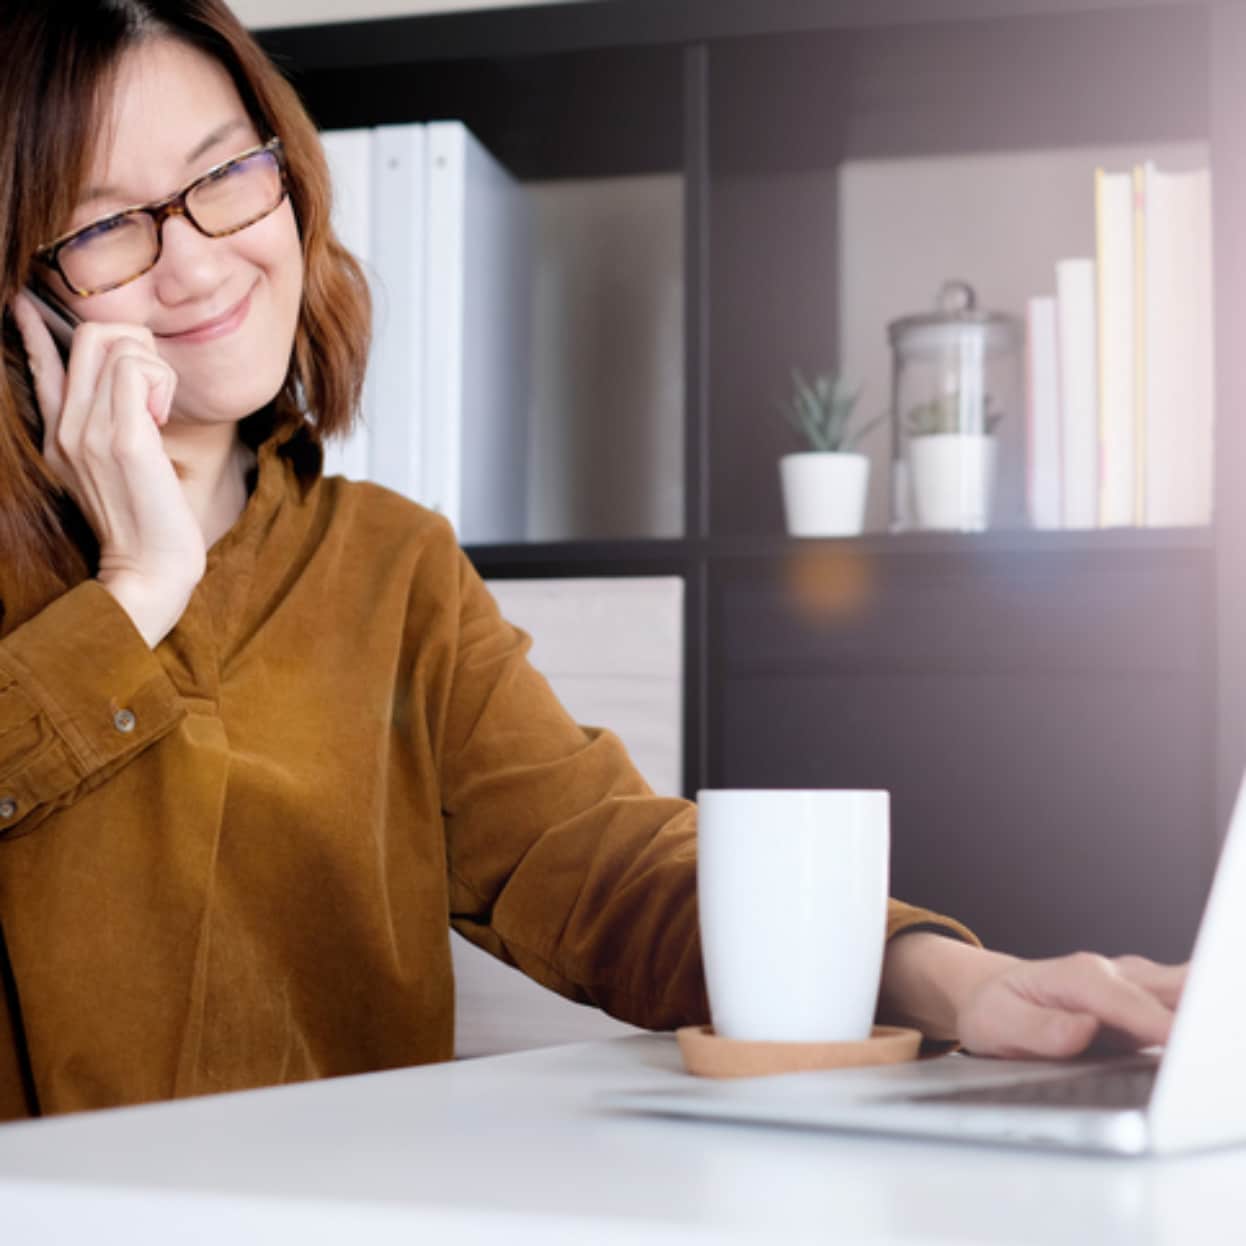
[175,205]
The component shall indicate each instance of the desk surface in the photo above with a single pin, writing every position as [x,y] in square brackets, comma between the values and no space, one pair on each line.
[514,1149]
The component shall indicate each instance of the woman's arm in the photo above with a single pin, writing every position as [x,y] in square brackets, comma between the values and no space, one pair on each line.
[998,1005]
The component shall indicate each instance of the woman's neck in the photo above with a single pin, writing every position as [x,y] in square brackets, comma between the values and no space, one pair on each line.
[212,463]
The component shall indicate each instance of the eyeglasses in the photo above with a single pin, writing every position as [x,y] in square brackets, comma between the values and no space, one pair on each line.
[120,248]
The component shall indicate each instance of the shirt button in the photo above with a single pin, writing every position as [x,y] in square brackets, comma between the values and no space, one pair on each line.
[8,808]
[124,721]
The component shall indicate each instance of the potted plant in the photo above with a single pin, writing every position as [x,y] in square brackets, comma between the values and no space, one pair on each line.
[824,487]
[952,463]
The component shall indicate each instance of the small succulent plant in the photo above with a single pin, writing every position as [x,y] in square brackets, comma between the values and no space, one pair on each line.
[820,410]
[942,415]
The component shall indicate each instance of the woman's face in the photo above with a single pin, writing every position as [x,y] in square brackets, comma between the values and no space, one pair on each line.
[223,310]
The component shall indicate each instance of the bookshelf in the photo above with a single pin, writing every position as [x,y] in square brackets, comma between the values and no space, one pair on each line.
[1059,715]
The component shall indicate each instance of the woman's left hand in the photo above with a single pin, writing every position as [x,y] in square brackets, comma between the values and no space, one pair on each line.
[996,1005]
[1054,1009]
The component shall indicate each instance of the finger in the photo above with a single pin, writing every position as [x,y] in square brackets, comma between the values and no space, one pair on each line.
[94,342]
[1165,982]
[120,446]
[140,391]
[160,381]
[121,419]
[1014,1028]
[43,357]
[89,409]
[1093,985]
[84,484]
[160,396]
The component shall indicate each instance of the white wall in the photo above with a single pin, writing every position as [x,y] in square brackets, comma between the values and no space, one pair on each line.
[261,13]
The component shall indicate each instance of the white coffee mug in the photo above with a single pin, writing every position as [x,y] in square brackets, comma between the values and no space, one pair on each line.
[792,891]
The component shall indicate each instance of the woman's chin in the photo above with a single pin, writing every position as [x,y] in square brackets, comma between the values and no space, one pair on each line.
[184,419]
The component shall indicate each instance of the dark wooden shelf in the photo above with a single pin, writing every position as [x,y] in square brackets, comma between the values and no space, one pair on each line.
[1056,713]
[969,544]
[559,558]
[533,559]
[548,29]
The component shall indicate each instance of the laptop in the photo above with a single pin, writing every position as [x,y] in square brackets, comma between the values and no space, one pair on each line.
[1190,1096]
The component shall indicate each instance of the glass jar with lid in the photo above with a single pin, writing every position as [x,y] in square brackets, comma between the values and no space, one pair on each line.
[955,390]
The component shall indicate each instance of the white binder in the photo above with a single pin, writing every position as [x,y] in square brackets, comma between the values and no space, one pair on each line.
[444,232]
[397,370]
[476,358]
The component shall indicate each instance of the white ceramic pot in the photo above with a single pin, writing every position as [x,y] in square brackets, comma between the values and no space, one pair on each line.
[823,493]
[953,479]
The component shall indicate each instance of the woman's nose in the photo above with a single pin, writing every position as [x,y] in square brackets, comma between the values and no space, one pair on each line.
[191,264]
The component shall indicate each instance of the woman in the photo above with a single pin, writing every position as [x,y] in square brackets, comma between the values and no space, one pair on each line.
[263,736]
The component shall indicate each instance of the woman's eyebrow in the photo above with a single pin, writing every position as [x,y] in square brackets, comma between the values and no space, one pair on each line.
[218,135]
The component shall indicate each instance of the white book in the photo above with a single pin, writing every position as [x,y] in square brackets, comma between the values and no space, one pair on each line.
[1043,405]
[1079,396]
[1179,364]
[477,357]
[1114,231]
[349,153]
[397,369]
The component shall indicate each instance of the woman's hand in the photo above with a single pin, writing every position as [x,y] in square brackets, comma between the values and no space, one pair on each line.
[1058,1008]
[997,1005]
[102,419]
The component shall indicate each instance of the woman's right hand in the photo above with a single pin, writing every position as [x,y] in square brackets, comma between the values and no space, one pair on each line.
[102,418]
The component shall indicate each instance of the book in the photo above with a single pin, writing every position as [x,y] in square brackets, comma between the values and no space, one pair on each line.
[1115,318]
[1179,359]
[395,441]
[478,293]
[349,153]
[1079,392]
[1043,409]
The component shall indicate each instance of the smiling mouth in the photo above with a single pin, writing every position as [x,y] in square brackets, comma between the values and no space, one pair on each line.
[218,327]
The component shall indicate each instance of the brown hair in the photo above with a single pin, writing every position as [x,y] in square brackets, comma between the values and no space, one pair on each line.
[62,58]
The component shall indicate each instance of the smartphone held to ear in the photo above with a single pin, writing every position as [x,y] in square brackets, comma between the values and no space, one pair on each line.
[60,321]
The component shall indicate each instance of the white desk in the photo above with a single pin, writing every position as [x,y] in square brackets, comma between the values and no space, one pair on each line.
[513,1150]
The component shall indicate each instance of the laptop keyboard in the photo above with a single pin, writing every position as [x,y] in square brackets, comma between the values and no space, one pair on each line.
[1098,1088]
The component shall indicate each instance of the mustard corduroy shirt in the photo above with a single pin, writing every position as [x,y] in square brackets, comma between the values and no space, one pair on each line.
[235,860]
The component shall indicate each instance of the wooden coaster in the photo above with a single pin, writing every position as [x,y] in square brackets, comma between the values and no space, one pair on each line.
[707,1055]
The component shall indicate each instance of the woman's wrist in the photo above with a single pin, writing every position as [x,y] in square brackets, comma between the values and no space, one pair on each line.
[927,979]
[153,609]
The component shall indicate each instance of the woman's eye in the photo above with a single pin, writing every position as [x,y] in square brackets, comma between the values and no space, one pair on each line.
[105,227]
[231,170]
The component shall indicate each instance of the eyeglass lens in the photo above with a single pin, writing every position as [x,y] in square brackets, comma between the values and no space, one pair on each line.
[121,248]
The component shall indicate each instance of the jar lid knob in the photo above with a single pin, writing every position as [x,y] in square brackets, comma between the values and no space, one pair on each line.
[956,297]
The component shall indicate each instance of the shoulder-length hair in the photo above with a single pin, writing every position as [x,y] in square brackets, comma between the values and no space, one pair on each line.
[61,58]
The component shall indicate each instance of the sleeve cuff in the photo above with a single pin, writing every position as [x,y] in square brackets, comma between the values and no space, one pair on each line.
[906,919]
[79,690]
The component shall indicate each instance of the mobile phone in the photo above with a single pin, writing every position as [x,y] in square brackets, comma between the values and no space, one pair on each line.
[60,320]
